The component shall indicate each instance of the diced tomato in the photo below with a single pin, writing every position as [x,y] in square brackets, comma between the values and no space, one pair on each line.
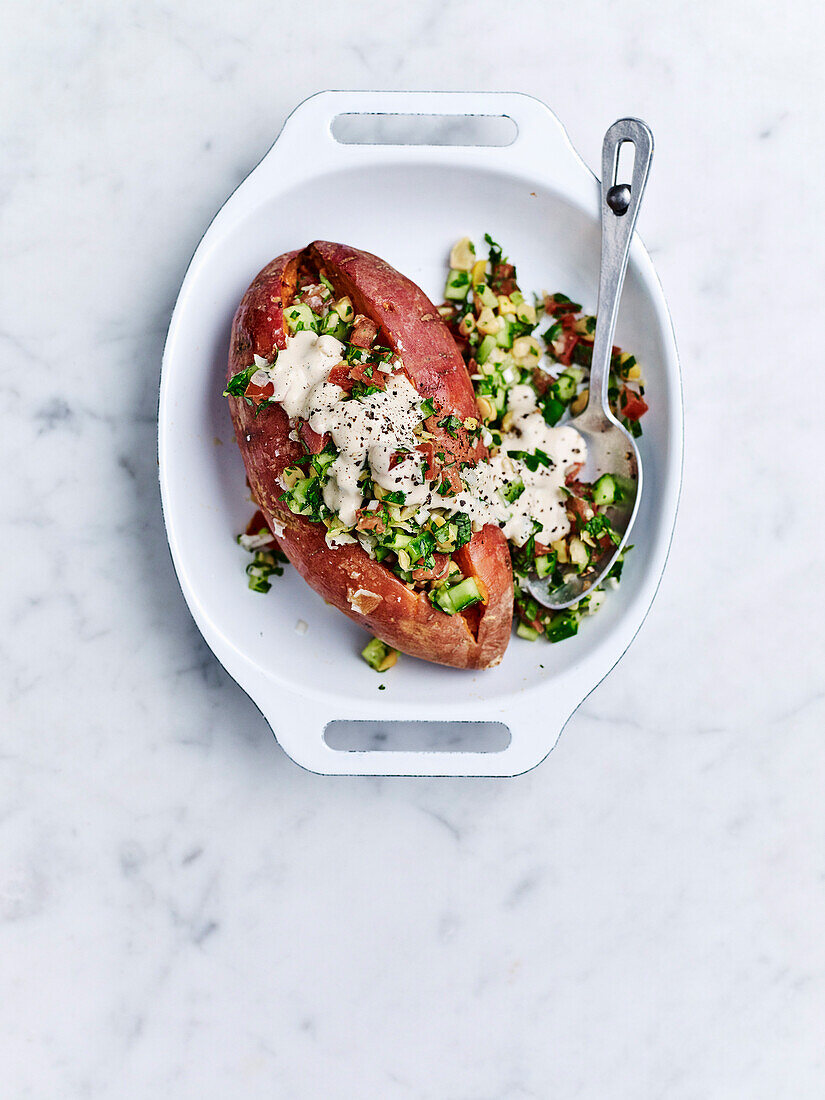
[313,442]
[340,376]
[363,332]
[503,278]
[441,563]
[432,467]
[573,473]
[258,394]
[633,405]
[580,509]
[452,476]
[556,307]
[542,381]
[371,520]
[569,341]
[369,374]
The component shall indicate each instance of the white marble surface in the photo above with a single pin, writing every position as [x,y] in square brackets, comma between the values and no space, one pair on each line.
[183,912]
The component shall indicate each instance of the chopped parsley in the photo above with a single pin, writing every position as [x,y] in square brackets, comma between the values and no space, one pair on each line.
[532,459]
[237,384]
[464,527]
[450,424]
[363,389]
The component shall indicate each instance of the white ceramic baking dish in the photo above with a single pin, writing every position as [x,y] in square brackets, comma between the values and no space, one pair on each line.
[407,203]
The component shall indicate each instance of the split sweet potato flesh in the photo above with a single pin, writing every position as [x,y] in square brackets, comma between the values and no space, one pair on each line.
[364,589]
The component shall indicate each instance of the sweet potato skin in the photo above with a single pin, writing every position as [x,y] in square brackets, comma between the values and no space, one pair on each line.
[346,576]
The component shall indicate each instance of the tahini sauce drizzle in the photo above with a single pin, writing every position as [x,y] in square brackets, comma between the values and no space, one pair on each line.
[370,430]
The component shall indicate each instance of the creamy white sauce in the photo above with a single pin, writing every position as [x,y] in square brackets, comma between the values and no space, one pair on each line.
[306,360]
[543,498]
[370,430]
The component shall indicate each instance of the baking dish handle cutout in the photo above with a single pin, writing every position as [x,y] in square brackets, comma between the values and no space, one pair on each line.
[385,128]
[379,736]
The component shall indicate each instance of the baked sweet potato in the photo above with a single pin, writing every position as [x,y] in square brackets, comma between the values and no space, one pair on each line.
[394,312]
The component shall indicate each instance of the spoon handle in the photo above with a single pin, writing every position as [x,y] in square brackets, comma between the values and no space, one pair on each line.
[619,208]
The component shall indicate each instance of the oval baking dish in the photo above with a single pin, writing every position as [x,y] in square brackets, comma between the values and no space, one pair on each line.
[296,658]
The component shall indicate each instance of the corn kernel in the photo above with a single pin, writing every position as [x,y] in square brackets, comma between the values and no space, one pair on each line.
[486,408]
[488,323]
[479,273]
[463,255]
[526,347]
[344,308]
[635,373]
[578,552]
[389,660]
[505,306]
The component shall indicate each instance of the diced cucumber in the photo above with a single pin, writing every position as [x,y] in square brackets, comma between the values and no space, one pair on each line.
[513,491]
[398,540]
[454,598]
[605,490]
[564,625]
[579,553]
[420,547]
[487,296]
[458,283]
[300,489]
[529,633]
[322,460]
[545,564]
[565,387]
[484,349]
[300,318]
[334,325]
[504,336]
[445,534]
[379,655]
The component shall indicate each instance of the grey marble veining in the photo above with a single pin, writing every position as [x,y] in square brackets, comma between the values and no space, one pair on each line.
[183,912]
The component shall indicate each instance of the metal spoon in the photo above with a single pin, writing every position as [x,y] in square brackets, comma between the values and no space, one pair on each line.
[610,448]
